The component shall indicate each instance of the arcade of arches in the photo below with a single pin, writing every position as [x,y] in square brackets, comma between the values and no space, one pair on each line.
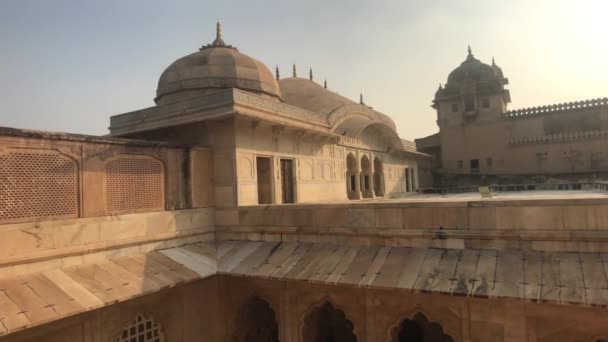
[366,179]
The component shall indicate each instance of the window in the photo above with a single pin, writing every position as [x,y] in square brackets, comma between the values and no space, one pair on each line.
[353,183]
[459,164]
[485,103]
[469,103]
[141,329]
[474,163]
[366,182]
[489,161]
[454,107]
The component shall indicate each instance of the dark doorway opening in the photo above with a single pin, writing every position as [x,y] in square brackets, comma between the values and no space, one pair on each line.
[287,184]
[256,321]
[328,324]
[264,175]
[419,329]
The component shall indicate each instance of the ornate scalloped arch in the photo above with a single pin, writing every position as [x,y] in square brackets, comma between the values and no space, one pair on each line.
[421,319]
[319,305]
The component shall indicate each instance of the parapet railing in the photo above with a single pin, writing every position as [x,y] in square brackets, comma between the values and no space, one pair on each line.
[561,137]
[556,108]
[602,186]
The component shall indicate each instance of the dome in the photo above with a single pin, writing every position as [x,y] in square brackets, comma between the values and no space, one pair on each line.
[306,94]
[482,77]
[472,69]
[215,66]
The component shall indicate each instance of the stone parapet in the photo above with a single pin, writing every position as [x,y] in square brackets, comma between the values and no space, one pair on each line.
[543,225]
[556,108]
[561,137]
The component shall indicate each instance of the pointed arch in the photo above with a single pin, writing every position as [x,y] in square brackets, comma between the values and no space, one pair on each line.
[327,323]
[143,328]
[256,321]
[352,177]
[366,178]
[418,329]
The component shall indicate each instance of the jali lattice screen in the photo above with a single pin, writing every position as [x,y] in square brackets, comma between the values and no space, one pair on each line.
[134,183]
[142,329]
[36,185]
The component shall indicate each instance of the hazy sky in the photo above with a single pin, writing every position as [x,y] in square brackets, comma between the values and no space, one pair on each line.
[69,65]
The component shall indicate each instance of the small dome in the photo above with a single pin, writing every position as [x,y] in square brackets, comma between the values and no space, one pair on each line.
[472,69]
[215,66]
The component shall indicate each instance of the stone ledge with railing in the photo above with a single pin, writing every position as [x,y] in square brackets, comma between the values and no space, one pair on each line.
[556,108]
[602,186]
[561,137]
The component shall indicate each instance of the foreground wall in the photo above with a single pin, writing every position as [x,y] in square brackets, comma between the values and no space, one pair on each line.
[184,313]
[375,314]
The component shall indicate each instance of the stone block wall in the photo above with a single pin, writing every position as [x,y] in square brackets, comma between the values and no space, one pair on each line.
[46,176]
[544,225]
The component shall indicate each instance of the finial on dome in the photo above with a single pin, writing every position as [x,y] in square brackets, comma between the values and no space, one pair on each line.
[493,62]
[218,42]
[276,72]
[469,50]
[440,87]
[310,74]
[294,71]
[361,99]
[325,84]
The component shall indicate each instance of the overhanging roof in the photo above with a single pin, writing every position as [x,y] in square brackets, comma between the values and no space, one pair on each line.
[553,277]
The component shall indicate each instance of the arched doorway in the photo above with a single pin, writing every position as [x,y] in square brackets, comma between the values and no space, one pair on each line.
[366,178]
[378,178]
[419,329]
[352,177]
[256,321]
[328,324]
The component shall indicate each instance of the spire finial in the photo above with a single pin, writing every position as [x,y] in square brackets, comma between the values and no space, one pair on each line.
[218,42]
[294,71]
[361,99]
[276,72]
[218,30]
[493,62]
[440,87]
[325,84]
[310,74]
[470,51]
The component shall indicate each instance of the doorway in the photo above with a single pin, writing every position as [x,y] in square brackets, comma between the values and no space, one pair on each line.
[264,175]
[287,183]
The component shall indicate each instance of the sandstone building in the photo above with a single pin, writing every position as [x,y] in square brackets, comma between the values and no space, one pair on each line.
[478,135]
[248,207]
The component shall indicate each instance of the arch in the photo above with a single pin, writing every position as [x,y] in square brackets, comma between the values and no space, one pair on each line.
[143,328]
[256,321]
[352,177]
[326,323]
[418,329]
[366,178]
[378,177]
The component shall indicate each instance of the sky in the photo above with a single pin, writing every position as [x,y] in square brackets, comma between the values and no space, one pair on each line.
[69,65]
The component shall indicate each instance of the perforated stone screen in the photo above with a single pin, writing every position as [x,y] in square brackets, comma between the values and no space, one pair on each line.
[36,185]
[142,329]
[134,183]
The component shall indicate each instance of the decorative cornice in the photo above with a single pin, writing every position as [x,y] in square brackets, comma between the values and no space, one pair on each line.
[561,137]
[556,108]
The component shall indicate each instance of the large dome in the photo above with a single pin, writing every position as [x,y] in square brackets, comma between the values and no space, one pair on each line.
[215,66]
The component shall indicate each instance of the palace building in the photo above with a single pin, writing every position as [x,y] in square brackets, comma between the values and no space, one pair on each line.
[565,141]
[244,206]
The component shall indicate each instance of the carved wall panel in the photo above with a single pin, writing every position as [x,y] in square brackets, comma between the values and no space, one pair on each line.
[37,184]
[134,183]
